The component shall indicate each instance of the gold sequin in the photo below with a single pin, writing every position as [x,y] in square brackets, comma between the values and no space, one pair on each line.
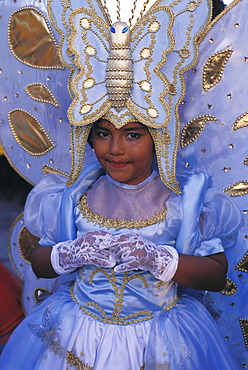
[154,26]
[90,82]
[86,109]
[145,53]
[85,23]
[145,85]
[152,112]
[46,169]
[90,50]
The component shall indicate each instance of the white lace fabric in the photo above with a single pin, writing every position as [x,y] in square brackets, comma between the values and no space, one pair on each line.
[69,255]
[137,253]
[104,250]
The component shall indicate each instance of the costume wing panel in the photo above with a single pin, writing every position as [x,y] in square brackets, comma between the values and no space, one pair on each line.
[34,129]
[214,139]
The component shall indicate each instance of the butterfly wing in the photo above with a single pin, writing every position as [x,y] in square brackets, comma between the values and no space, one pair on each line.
[213,138]
[91,35]
[34,129]
[85,49]
[47,320]
[34,99]
[37,330]
[160,58]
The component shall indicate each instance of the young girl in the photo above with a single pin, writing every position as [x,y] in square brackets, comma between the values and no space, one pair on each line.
[134,239]
[132,242]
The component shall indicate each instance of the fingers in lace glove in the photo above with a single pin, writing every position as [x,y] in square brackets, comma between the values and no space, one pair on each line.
[137,253]
[69,255]
[111,241]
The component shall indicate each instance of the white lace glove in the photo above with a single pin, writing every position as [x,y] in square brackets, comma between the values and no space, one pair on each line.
[137,253]
[67,256]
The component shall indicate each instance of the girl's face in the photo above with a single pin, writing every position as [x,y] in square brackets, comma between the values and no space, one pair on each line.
[125,154]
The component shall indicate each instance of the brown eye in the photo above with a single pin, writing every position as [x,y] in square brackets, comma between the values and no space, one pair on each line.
[102,134]
[134,135]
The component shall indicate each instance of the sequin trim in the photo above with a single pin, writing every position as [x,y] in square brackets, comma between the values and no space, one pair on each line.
[73,360]
[116,223]
[115,318]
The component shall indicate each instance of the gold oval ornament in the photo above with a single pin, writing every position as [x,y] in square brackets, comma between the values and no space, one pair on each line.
[29,133]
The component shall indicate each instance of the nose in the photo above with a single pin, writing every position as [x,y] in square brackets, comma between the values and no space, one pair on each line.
[116,146]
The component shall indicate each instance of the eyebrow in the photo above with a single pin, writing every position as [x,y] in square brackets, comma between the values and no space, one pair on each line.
[135,128]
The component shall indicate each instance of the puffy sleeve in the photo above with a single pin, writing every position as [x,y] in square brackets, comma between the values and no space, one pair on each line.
[210,219]
[42,208]
[220,221]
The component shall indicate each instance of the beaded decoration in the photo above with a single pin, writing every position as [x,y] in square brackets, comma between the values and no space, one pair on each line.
[126,73]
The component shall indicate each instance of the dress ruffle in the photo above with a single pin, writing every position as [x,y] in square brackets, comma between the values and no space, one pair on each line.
[178,338]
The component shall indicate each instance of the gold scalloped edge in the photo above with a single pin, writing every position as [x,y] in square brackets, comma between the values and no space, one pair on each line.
[230,288]
[243,261]
[52,145]
[202,120]
[244,328]
[78,138]
[53,100]
[46,169]
[242,121]
[238,189]
[225,56]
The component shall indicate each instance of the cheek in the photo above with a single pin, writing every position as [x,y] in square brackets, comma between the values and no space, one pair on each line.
[98,147]
[147,153]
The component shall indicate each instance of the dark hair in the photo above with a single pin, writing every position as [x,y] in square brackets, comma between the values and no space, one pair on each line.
[90,138]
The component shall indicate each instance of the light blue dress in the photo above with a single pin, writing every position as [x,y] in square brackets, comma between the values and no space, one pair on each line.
[126,321]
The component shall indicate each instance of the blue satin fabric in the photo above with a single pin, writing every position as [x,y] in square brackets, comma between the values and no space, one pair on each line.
[137,295]
[82,314]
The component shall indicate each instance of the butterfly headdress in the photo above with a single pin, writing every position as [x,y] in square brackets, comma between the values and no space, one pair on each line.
[128,73]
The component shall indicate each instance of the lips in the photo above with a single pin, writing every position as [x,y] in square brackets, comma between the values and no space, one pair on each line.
[118,164]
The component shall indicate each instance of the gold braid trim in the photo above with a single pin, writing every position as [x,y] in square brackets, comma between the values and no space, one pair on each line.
[75,361]
[120,320]
[116,223]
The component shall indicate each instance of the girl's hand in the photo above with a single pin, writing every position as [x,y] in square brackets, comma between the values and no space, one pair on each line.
[69,255]
[137,253]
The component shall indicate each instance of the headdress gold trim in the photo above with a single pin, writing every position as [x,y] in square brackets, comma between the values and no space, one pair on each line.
[129,73]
